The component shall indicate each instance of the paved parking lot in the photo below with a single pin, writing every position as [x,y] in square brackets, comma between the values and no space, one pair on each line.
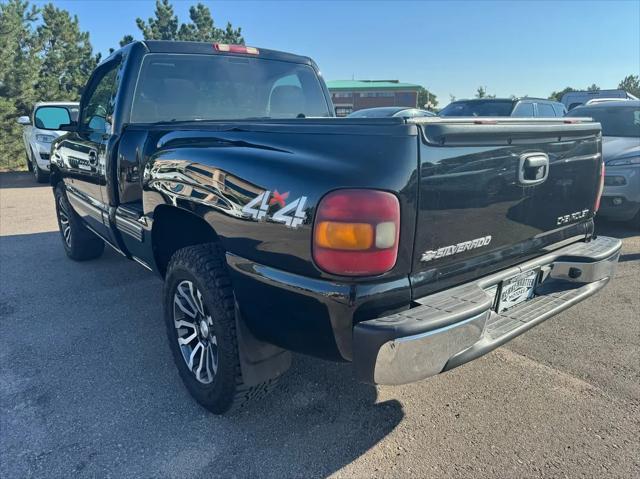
[88,387]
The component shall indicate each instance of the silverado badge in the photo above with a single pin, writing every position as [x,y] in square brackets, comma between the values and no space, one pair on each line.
[455,248]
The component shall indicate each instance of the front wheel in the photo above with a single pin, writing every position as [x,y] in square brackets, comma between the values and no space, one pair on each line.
[39,175]
[79,242]
[201,327]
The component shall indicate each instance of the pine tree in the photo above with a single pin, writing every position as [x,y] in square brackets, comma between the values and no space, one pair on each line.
[165,26]
[18,70]
[631,84]
[67,56]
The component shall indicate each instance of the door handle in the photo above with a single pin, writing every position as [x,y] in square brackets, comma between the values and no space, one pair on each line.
[93,158]
[534,168]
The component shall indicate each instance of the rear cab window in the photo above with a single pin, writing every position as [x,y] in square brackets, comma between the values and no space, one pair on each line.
[186,87]
[488,107]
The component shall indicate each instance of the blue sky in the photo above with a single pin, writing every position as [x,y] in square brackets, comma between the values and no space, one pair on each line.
[521,48]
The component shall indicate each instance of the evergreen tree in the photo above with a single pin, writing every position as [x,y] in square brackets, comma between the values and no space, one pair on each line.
[557,95]
[631,84]
[18,74]
[126,40]
[67,56]
[165,26]
[425,97]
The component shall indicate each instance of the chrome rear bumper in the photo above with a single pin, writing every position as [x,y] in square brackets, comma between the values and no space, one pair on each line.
[455,326]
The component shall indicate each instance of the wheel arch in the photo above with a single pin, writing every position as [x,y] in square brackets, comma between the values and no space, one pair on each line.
[167,221]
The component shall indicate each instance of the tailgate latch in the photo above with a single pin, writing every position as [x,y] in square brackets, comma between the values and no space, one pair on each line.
[534,168]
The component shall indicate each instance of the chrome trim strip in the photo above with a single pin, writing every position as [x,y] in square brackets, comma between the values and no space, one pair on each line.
[129,227]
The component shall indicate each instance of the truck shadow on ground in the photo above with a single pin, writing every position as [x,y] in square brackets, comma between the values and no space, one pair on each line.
[617,229]
[18,179]
[89,387]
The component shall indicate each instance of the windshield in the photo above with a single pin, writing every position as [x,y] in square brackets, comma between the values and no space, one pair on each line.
[173,87]
[478,108]
[615,120]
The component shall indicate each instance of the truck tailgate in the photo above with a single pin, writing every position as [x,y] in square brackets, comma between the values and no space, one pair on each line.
[496,192]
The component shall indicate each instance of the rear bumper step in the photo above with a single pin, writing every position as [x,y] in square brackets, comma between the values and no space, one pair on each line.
[458,325]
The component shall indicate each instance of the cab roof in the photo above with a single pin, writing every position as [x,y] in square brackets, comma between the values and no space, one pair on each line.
[204,48]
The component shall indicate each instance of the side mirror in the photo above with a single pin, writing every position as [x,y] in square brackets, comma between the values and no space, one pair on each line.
[73,126]
[24,120]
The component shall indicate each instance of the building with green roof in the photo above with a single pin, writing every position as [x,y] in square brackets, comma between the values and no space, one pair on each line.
[352,95]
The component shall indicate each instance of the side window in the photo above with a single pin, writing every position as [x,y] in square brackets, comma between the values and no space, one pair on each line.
[97,111]
[559,109]
[523,109]
[545,110]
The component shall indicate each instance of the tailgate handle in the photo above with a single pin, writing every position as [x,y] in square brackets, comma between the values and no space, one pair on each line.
[534,168]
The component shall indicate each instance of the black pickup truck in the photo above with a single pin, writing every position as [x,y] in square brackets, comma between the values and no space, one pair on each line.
[406,246]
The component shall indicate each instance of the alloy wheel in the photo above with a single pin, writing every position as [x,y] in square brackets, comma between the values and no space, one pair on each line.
[194,327]
[65,226]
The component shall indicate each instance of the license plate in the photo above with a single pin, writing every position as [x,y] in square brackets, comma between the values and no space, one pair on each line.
[517,289]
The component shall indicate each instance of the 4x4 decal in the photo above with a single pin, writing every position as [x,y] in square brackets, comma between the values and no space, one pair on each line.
[292,214]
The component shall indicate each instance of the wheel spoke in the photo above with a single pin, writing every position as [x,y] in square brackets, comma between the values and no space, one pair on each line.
[199,302]
[188,339]
[193,355]
[189,312]
[181,323]
[186,297]
[196,298]
[203,360]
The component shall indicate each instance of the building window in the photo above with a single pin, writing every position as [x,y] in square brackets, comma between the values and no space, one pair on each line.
[342,94]
[343,110]
[373,94]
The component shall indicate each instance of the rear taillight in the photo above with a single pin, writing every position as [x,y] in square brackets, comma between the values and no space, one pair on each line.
[596,206]
[356,232]
[224,47]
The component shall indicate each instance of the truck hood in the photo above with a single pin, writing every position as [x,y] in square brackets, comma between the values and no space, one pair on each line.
[617,147]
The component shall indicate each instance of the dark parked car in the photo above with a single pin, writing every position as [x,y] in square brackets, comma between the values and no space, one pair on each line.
[520,107]
[279,228]
[620,122]
[390,111]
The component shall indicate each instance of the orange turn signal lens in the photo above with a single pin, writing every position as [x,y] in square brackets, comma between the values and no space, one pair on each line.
[346,236]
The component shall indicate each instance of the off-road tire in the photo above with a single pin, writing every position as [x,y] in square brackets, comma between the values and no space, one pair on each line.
[205,267]
[82,244]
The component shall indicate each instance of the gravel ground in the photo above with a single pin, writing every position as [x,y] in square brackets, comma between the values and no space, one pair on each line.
[88,387]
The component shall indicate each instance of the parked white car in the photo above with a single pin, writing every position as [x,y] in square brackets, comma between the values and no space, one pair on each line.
[41,128]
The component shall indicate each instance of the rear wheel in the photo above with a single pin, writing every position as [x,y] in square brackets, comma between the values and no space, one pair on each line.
[79,242]
[201,326]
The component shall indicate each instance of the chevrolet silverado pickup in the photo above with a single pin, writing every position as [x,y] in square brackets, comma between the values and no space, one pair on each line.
[405,246]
